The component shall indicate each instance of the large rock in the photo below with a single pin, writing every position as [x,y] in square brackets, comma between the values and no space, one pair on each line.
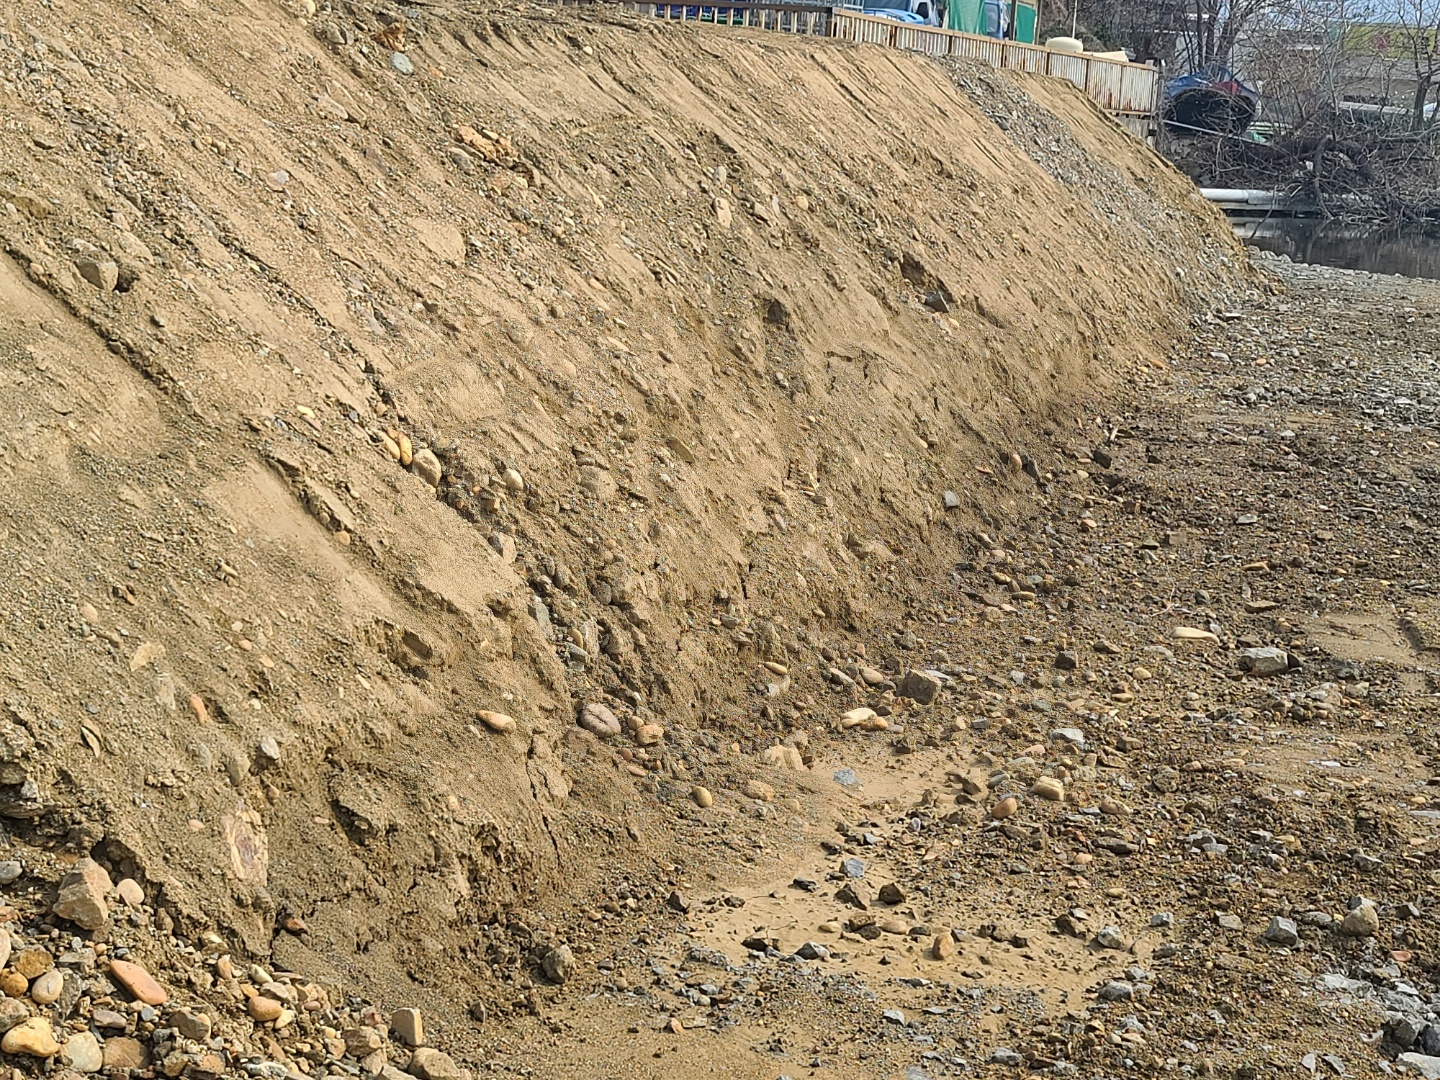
[427,466]
[920,686]
[854,894]
[1049,789]
[599,720]
[1426,1066]
[786,757]
[193,1025]
[82,1053]
[408,1027]
[32,1038]
[559,963]
[103,273]
[1282,931]
[430,1064]
[12,1011]
[1362,921]
[138,981]
[1404,1031]
[362,1041]
[122,1053]
[82,895]
[1265,661]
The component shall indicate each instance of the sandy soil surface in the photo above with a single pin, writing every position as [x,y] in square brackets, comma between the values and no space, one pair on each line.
[684,553]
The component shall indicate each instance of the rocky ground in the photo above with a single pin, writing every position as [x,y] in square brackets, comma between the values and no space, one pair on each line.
[1147,785]
[1173,805]
[524,555]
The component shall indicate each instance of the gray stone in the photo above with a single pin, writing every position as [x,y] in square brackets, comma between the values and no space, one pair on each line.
[82,1053]
[1282,931]
[1424,1064]
[402,63]
[1265,661]
[12,1011]
[1109,937]
[1116,991]
[1072,735]
[812,950]
[10,872]
[1404,1031]
[852,868]
[952,501]
[1003,1055]
[920,686]
[109,1020]
[460,159]
[1430,1039]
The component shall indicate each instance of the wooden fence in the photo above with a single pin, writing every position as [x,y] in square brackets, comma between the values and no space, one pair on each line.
[1128,92]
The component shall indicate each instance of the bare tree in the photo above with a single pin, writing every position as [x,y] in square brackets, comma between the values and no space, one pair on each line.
[1186,35]
[1413,38]
[1343,128]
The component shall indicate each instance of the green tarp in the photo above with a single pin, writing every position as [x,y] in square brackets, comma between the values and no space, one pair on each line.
[1022,25]
[967,16]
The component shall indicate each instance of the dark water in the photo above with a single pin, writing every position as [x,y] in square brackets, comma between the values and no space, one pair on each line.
[1308,240]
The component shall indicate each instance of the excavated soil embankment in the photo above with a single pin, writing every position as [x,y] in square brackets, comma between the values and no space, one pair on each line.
[703,349]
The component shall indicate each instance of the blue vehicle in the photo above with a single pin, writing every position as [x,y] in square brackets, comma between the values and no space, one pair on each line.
[897,15]
[1211,101]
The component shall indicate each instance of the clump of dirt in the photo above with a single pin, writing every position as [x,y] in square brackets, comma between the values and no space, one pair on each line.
[384,387]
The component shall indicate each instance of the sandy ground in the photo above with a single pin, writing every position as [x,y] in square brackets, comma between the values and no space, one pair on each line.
[461,465]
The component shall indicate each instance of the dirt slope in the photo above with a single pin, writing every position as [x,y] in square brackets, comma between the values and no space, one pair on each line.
[654,298]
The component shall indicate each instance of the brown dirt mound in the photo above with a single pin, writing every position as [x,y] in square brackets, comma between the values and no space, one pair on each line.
[695,330]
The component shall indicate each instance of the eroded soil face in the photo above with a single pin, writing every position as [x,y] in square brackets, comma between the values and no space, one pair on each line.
[1236,878]
[502,506]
